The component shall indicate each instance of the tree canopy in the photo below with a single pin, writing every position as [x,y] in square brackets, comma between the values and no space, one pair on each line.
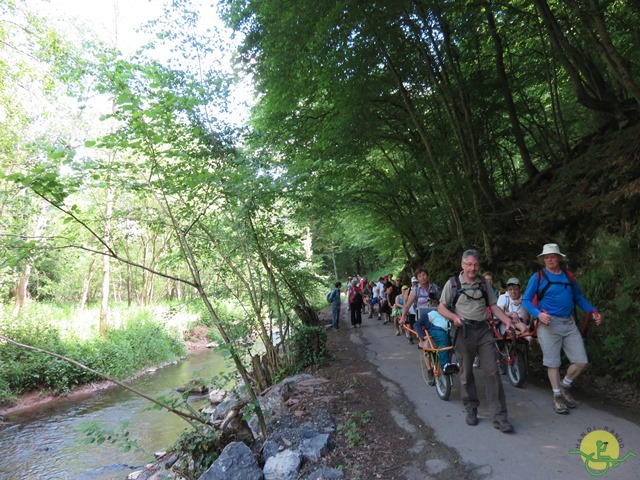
[419,118]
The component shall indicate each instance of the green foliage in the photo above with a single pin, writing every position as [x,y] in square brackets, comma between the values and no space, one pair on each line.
[351,428]
[611,283]
[7,397]
[307,347]
[98,434]
[196,449]
[125,351]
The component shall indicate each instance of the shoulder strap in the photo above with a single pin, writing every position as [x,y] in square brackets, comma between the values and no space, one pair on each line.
[483,289]
[542,274]
[457,290]
[454,280]
[506,307]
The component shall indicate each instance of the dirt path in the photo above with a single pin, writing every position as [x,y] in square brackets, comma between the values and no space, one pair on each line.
[415,435]
[395,443]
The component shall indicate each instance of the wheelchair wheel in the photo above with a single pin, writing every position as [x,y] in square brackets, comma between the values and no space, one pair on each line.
[429,363]
[443,385]
[517,372]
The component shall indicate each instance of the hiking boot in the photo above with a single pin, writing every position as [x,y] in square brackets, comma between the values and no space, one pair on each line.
[559,405]
[503,425]
[398,333]
[472,417]
[568,398]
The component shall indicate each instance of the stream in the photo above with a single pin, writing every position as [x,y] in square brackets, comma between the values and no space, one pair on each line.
[45,442]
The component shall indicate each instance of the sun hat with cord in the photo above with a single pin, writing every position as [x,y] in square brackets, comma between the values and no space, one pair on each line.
[551,249]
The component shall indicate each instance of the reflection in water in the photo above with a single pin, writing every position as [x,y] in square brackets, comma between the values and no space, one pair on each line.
[47,444]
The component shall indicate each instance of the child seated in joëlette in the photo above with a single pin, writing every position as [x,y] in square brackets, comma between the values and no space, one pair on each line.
[511,303]
[438,328]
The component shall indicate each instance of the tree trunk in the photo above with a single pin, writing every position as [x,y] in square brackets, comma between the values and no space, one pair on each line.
[333,259]
[431,156]
[597,29]
[22,292]
[106,263]
[503,83]
[462,119]
[87,285]
[588,82]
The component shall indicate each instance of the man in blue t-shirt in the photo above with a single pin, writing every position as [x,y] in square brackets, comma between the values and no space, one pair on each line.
[558,294]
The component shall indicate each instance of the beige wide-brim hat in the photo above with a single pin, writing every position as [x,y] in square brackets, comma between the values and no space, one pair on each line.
[551,249]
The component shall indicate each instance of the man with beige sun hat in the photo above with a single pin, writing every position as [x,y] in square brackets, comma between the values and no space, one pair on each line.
[556,294]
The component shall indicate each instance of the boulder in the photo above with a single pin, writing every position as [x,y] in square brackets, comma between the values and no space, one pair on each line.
[235,462]
[216,396]
[314,448]
[195,386]
[283,466]
[326,473]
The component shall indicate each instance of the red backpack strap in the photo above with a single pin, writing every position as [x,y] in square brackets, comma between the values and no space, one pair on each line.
[570,276]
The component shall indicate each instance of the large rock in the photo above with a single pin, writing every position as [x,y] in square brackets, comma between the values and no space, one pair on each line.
[283,466]
[270,449]
[216,396]
[195,386]
[236,462]
[315,447]
[326,473]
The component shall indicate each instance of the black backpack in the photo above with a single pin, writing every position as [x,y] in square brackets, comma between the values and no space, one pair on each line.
[540,293]
[457,290]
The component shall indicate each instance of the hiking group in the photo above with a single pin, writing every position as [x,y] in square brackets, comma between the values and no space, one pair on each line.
[466,305]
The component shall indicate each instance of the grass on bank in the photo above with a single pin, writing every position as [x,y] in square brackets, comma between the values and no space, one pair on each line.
[137,338]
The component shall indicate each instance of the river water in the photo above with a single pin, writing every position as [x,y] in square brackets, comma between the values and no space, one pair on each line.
[45,442]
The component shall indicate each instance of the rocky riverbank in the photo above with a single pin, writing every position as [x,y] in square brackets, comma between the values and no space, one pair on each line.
[340,420]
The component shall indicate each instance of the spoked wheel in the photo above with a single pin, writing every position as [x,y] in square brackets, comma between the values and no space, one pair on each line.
[429,363]
[517,372]
[443,385]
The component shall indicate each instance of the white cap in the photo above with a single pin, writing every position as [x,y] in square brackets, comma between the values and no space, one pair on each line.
[414,280]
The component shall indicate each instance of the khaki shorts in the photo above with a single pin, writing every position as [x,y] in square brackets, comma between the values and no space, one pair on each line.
[561,334]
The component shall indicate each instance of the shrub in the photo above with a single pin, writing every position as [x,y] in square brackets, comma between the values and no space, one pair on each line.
[307,347]
[196,449]
[140,343]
